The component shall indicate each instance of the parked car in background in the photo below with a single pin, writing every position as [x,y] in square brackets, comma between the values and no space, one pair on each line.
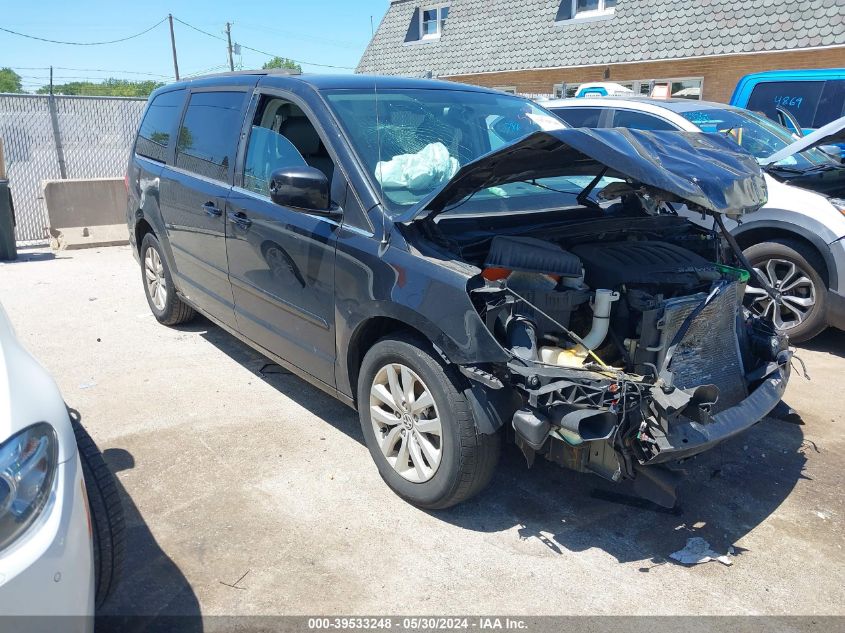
[61,520]
[603,89]
[795,240]
[457,266]
[815,97]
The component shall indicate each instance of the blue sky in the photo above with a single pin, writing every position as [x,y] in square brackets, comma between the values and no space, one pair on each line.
[333,32]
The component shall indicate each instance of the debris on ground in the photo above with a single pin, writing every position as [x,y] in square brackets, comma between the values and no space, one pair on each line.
[698,551]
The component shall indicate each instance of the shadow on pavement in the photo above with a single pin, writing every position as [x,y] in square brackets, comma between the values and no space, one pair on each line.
[25,256]
[153,594]
[831,341]
[304,394]
[727,493]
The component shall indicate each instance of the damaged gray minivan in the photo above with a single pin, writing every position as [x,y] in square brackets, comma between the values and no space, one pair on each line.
[461,269]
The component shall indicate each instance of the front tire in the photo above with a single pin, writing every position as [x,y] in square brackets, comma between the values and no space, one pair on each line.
[793,269]
[165,304]
[419,427]
[106,510]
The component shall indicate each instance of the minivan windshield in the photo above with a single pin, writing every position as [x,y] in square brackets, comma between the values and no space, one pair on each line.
[757,135]
[412,142]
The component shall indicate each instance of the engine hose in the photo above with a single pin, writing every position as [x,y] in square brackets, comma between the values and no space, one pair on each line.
[572,335]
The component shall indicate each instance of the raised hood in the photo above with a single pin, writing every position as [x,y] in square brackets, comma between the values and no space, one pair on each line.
[706,170]
[830,134]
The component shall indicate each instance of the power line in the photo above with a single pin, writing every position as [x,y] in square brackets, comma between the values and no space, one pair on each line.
[106,70]
[255,50]
[191,26]
[123,39]
[203,72]
[298,61]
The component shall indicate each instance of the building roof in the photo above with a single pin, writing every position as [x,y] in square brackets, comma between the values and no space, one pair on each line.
[498,35]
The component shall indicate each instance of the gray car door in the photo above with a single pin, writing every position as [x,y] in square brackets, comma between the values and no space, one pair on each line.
[193,198]
[281,260]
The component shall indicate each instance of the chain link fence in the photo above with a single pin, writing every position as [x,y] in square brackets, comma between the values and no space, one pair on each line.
[48,138]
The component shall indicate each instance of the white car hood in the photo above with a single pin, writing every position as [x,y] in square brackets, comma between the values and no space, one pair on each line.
[833,132]
[28,394]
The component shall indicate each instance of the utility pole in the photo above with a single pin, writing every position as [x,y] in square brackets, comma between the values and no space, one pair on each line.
[229,39]
[173,46]
[57,133]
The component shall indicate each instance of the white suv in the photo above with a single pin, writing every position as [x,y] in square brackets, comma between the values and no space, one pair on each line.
[795,240]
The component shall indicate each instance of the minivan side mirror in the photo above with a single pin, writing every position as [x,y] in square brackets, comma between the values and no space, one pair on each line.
[302,187]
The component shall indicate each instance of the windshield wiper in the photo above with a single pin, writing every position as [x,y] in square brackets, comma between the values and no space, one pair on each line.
[805,170]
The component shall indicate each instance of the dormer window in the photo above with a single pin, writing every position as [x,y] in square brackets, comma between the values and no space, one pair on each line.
[432,21]
[586,10]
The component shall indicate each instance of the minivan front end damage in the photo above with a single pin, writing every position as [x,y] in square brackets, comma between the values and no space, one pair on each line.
[629,346]
[700,371]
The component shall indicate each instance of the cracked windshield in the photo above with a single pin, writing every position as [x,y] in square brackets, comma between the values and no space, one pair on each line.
[414,141]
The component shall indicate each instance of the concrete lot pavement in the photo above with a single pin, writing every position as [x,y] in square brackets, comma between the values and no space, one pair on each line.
[252,493]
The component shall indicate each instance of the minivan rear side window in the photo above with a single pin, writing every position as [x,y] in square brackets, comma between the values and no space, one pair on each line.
[159,122]
[209,134]
[801,98]
[579,117]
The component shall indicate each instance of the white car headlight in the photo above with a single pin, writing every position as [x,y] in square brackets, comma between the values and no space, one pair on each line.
[838,204]
[28,463]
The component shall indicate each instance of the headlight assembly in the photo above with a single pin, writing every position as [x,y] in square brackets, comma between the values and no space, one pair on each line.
[28,462]
[838,204]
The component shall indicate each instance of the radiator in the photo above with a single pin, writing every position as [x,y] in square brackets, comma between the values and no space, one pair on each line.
[709,352]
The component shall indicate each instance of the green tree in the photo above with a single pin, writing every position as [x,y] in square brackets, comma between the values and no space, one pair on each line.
[282,62]
[10,81]
[107,88]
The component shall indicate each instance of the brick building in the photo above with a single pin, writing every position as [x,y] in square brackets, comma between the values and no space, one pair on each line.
[697,48]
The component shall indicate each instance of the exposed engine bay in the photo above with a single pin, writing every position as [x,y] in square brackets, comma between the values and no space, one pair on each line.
[629,343]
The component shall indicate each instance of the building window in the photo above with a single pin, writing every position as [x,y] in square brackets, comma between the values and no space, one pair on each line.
[432,21]
[574,10]
[676,88]
[590,8]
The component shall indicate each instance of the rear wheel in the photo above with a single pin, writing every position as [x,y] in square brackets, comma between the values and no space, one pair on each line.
[161,295]
[792,269]
[106,511]
[419,426]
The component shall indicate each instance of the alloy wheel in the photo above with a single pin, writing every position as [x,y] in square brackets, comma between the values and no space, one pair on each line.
[406,422]
[156,281]
[796,291]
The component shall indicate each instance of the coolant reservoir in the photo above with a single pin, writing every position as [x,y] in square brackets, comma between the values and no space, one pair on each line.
[563,357]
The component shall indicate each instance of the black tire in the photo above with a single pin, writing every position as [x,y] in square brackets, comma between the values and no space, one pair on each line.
[107,521]
[468,456]
[175,311]
[809,263]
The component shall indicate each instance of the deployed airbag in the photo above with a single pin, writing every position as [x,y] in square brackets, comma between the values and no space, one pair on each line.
[429,168]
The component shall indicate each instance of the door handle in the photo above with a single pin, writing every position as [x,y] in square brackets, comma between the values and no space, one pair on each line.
[211,209]
[240,219]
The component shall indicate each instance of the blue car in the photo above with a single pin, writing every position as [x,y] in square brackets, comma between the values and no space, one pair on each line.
[803,100]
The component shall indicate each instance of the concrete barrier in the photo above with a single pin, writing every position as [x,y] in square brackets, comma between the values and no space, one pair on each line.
[86,213]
